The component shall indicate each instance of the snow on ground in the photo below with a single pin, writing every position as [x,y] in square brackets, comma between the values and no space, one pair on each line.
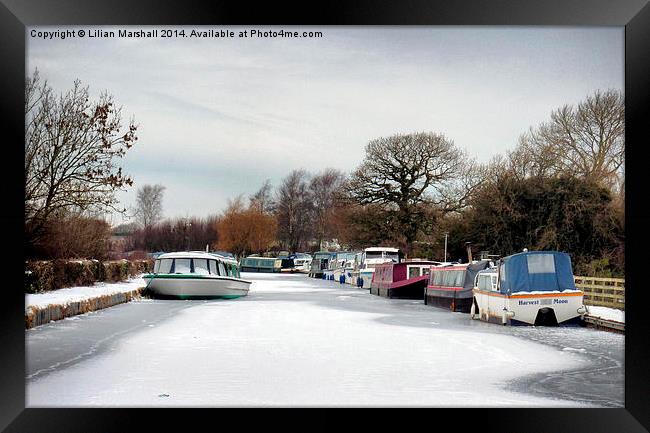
[73,294]
[607,313]
[297,341]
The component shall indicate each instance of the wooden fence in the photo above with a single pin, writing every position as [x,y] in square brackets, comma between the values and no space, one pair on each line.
[604,292]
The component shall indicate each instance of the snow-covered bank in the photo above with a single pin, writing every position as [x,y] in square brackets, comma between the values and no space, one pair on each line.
[296,341]
[607,313]
[59,304]
[74,294]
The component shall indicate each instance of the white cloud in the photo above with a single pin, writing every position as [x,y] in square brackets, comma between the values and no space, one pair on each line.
[219,116]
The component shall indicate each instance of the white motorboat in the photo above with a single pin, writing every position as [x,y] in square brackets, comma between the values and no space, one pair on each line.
[196,275]
[372,257]
[529,288]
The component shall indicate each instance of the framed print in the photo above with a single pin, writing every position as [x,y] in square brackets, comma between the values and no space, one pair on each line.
[433,206]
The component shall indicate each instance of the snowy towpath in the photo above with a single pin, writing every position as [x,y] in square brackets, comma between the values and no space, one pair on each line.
[296,341]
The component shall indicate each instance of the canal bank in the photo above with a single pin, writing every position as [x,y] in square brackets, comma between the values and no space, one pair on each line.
[42,308]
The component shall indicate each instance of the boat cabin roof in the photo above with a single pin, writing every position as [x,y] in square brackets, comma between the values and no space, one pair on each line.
[387,249]
[537,270]
[196,255]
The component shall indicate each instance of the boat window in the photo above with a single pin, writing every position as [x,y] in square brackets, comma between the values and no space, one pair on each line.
[222,269]
[392,256]
[541,264]
[426,271]
[414,271]
[437,278]
[484,282]
[213,267]
[460,279]
[201,266]
[164,266]
[494,282]
[447,278]
[182,266]
[156,265]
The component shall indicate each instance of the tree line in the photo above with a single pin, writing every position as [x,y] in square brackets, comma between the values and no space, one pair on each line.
[561,187]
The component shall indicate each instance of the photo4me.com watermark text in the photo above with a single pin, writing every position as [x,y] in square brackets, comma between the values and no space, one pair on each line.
[94,33]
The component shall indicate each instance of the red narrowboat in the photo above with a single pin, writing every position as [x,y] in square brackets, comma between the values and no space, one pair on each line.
[406,280]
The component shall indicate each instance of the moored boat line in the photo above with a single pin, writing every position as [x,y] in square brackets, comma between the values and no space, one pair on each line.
[533,288]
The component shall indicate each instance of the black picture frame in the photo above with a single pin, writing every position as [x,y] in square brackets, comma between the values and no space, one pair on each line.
[634,15]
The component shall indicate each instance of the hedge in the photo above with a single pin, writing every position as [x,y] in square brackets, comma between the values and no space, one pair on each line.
[43,276]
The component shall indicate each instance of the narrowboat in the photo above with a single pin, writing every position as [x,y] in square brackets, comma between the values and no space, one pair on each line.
[372,257]
[405,280]
[196,275]
[451,286]
[529,288]
[260,264]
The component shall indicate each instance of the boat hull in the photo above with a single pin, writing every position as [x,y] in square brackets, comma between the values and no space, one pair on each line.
[259,269]
[453,299]
[365,278]
[203,286]
[408,289]
[529,309]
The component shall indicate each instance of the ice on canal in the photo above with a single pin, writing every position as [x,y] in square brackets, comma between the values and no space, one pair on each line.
[297,341]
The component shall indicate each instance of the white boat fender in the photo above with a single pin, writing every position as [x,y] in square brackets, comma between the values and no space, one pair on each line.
[505,315]
[582,310]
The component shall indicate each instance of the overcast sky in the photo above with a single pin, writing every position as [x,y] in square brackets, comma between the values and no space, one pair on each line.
[219,116]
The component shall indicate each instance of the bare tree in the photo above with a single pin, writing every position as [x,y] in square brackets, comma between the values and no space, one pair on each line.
[293,210]
[262,200]
[405,173]
[149,205]
[323,189]
[71,145]
[587,140]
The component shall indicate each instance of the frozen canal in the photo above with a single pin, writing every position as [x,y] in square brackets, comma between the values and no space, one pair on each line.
[297,341]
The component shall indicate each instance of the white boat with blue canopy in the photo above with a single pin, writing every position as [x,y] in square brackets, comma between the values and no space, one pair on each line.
[532,287]
[196,275]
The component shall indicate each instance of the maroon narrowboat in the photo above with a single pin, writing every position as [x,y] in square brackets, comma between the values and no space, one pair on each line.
[451,286]
[406,280]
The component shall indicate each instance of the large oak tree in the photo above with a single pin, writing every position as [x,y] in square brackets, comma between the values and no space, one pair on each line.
[408,173]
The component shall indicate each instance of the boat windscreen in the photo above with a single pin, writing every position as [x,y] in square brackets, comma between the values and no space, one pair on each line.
[163,266]
[182,266]
[201,266]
